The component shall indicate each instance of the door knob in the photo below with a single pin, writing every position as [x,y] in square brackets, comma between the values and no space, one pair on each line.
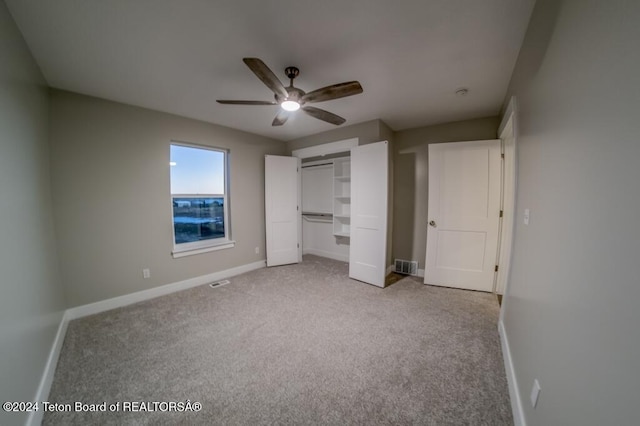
[432,223]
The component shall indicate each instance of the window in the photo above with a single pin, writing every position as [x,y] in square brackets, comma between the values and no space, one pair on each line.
[200,199]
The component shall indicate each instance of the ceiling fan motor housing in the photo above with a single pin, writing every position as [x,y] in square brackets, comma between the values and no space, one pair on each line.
[294,95]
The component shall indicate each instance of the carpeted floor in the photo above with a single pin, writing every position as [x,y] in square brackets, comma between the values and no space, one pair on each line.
[298,344]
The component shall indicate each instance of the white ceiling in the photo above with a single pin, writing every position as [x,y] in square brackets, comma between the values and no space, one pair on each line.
[180,56]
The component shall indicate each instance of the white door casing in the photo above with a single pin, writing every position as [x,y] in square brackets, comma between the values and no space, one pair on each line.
[508,205]
[464,214]
[283,218]
[369,194]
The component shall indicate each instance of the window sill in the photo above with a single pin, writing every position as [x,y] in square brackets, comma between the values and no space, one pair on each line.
[177,252]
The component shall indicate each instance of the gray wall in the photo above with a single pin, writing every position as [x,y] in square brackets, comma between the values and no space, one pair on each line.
[411,179]
[367,132]
[32,303]
[571,307]
[110,173]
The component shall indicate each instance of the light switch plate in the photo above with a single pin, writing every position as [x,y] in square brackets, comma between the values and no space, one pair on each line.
[535,393]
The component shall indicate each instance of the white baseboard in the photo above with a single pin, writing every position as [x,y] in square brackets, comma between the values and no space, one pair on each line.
[514,393]
[420,273]
[328,254]
[140,296]
[42,394]
[390,269]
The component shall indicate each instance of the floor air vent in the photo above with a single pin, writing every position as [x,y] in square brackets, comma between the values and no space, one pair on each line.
[408,267]
[219,283]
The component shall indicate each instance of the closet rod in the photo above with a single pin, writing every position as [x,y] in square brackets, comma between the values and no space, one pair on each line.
[317,165]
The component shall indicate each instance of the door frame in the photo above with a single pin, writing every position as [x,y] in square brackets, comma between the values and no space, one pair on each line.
[326,149]
[507,132]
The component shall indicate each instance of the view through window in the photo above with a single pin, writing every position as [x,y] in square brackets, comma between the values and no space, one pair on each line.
[199,196]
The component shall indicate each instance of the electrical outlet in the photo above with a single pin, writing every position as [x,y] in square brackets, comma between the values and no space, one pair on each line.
[146,273]
[526,216]
[257,250]
[535,393]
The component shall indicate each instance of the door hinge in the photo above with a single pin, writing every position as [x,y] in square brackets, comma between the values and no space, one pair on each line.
[297,208]
[496,270]
[298,245]
[502,156]
[501,213]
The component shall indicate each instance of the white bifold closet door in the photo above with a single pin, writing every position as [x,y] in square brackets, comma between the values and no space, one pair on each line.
[369,197]
[282,209]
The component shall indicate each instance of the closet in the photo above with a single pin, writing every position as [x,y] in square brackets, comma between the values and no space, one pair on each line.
[326,207]
[335,207]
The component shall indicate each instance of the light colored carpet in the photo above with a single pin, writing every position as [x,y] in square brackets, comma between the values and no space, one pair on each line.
[298,344]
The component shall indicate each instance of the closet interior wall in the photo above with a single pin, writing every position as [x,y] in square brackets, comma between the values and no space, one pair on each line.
[326,207]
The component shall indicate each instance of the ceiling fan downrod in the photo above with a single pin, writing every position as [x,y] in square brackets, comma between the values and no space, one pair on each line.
[291,73]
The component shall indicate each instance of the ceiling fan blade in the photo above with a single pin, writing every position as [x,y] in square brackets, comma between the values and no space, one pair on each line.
[333,92]
[262,71]
[323,115]
[246,102]
[281,118]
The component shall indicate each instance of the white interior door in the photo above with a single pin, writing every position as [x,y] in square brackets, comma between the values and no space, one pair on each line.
[369,193]
[282,213]
[464,214]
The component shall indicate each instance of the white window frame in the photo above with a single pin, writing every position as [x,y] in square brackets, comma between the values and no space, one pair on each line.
[204,246]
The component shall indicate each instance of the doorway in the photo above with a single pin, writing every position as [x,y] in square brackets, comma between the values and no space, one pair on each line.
[507,133]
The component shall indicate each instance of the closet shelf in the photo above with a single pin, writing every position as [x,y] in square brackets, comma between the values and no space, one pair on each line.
[318,219]
[342,197]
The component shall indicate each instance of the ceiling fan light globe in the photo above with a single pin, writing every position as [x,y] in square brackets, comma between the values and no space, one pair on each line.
[290,105]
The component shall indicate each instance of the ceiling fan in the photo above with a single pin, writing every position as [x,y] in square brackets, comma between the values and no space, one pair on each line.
[291,98]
